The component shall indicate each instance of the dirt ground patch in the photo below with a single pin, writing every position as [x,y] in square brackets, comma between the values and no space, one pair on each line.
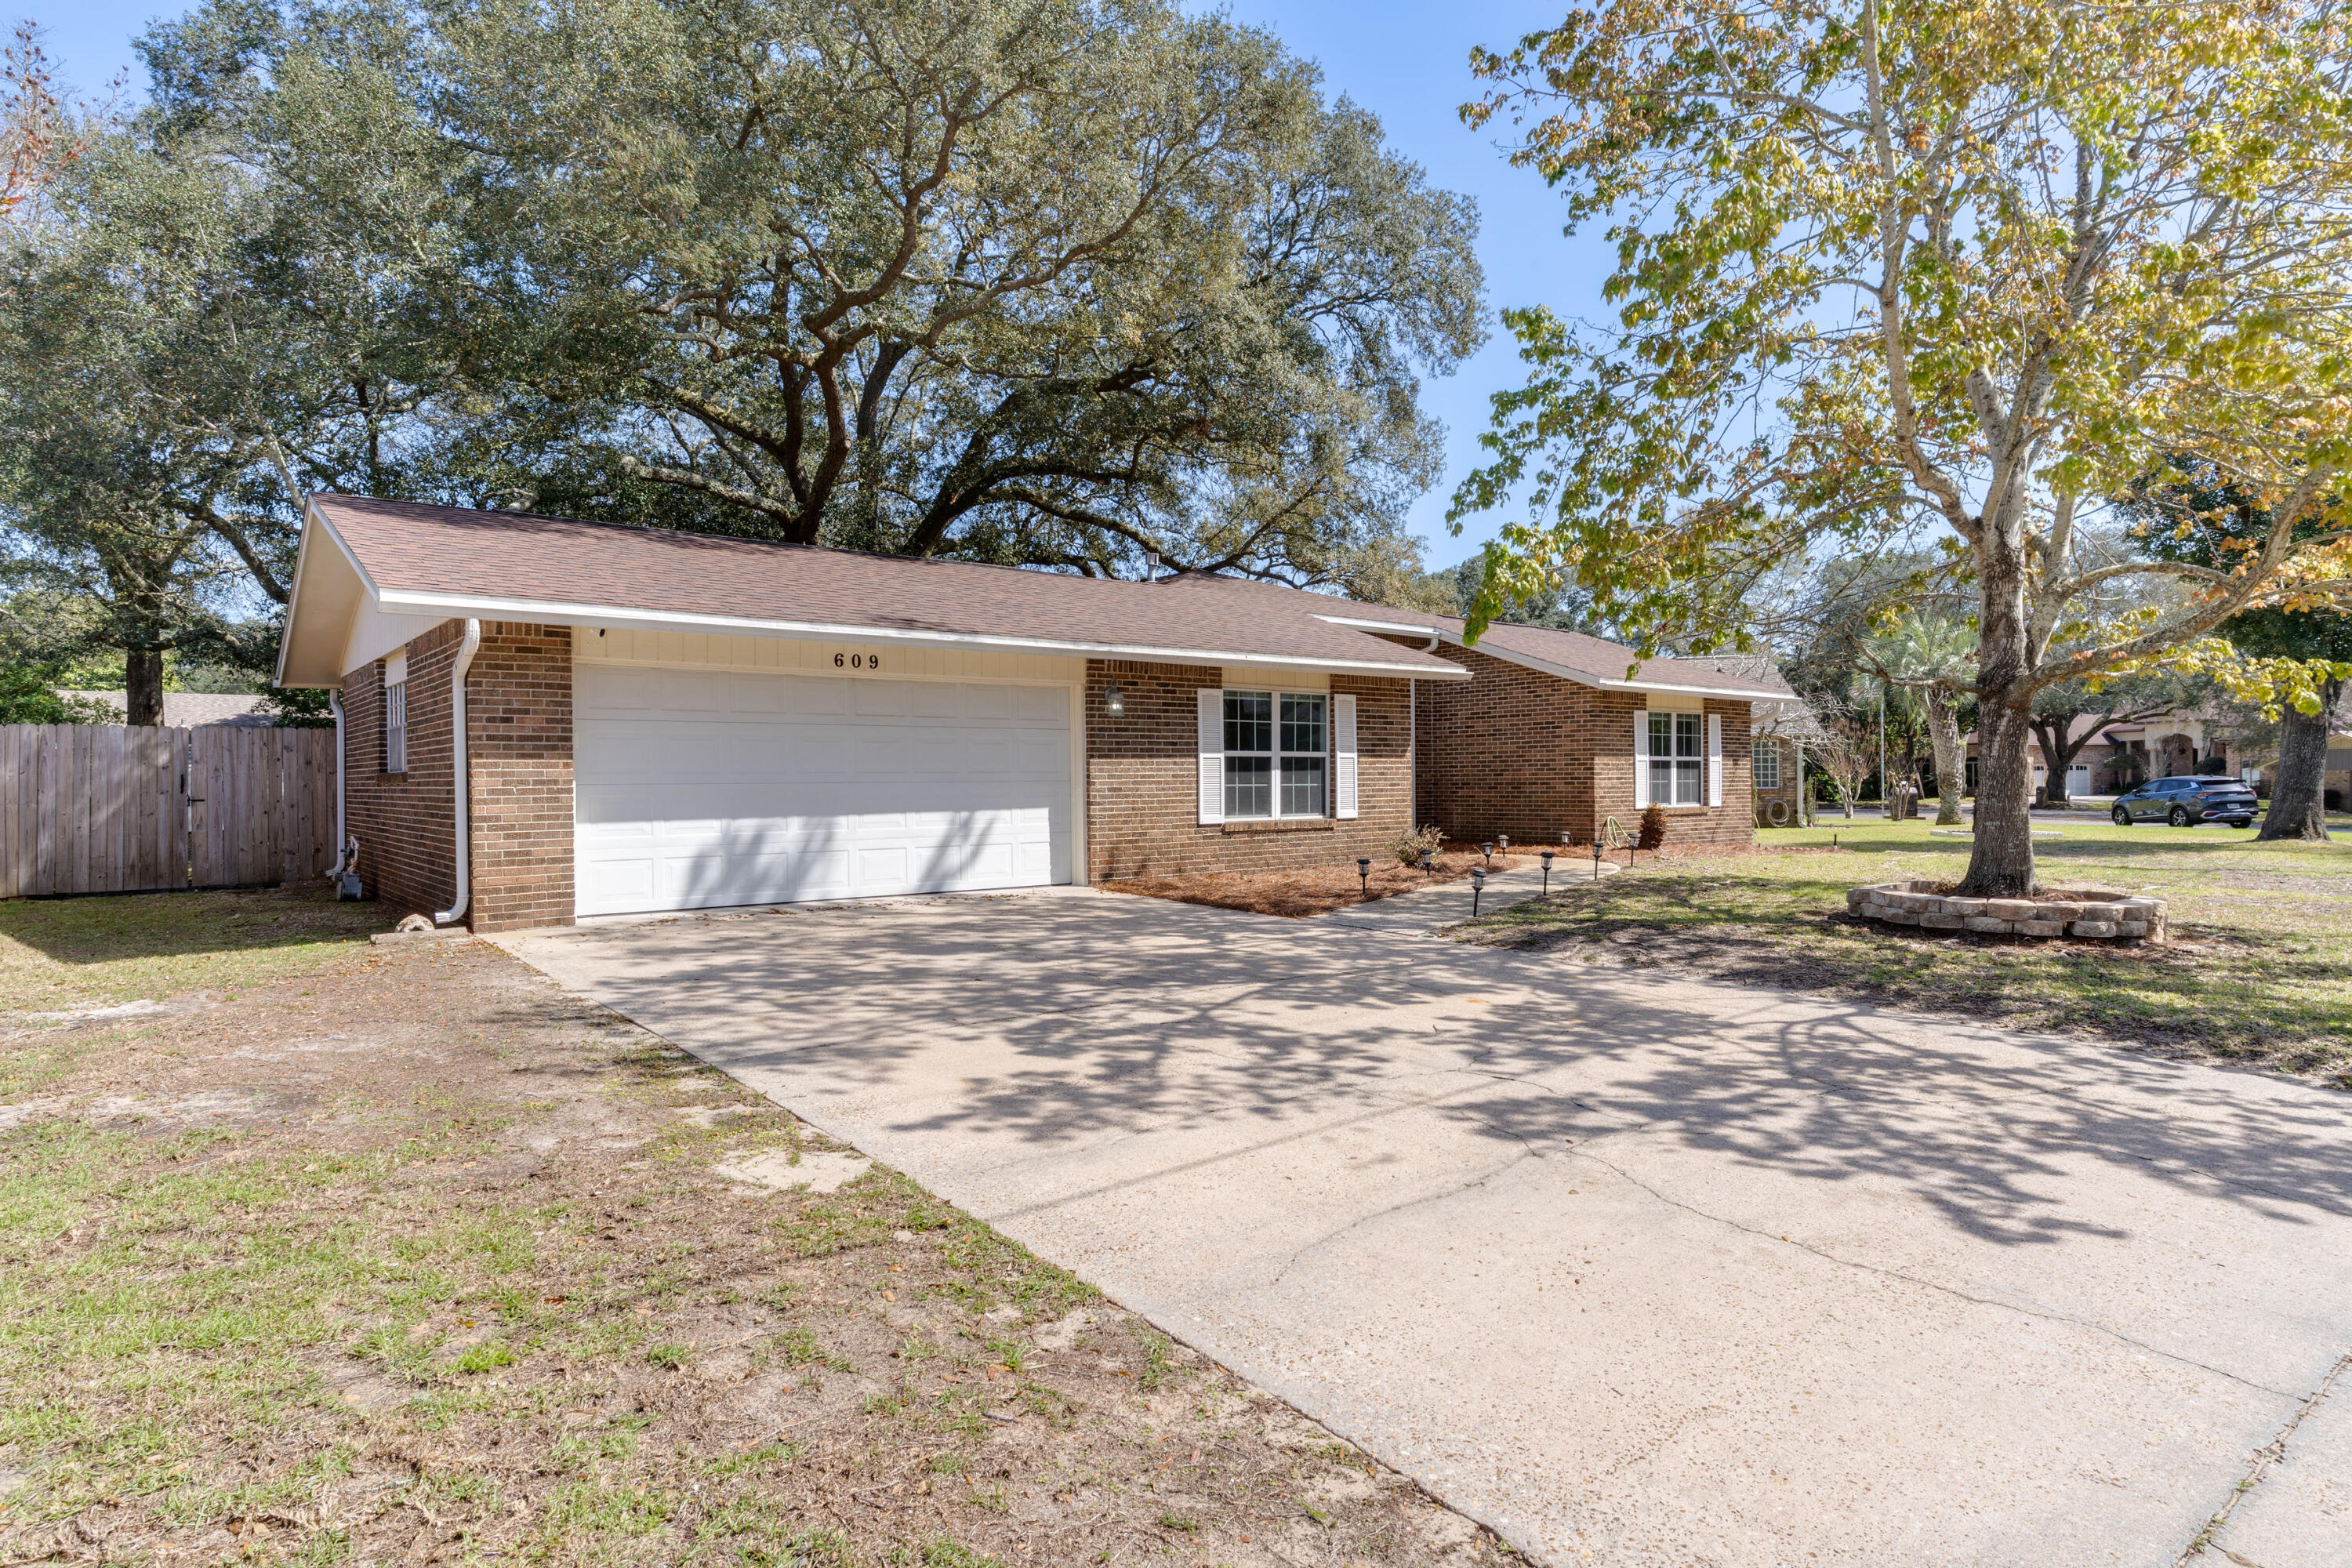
[399,1254]
[1317,889]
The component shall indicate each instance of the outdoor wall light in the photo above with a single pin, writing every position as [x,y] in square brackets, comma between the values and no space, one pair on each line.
[1364,873]
[1114,700]
[1477,886]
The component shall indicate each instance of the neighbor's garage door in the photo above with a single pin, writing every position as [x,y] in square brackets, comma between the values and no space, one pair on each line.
[699,788]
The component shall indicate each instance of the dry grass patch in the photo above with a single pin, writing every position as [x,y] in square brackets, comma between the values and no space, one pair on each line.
[407,1256]
[1317,889]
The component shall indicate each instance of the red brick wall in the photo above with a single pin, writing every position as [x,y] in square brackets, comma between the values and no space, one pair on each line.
[1508,751]
[1516,752]
[404,822]
[1143,780]
[519,704]
[518,738]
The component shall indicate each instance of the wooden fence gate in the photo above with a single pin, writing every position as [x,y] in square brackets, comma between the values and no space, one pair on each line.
[115,808]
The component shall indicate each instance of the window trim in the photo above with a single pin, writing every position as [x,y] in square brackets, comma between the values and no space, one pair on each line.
[396,726]
[1678,766]
[1276,755]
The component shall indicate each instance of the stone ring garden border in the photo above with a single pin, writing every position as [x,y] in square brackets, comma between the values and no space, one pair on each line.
[2085,915]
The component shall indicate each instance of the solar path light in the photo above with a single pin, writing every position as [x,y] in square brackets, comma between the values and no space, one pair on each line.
[1364,873]
[1477,886]
[1487,849]
[1547,860]
[1425,864]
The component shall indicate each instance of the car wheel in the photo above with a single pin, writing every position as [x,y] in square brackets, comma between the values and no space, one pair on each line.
[2122,814]
[2180,817]
[2242,822]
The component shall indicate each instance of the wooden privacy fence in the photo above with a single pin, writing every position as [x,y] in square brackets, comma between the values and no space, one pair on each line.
[115,808]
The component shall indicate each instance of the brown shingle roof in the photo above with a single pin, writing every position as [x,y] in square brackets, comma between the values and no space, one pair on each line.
[192,710]
[1588,658]
[420,558]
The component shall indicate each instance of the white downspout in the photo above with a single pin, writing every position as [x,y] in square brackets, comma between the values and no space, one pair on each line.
[465,651]
[1413,744]
[1412,754]
[343,842]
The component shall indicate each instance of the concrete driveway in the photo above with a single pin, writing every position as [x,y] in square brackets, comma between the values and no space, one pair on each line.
[1635,1271]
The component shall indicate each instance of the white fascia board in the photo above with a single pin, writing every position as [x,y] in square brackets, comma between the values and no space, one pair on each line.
[314,521]
[1726,692]
[657,620]
[293,595]
[1400,626]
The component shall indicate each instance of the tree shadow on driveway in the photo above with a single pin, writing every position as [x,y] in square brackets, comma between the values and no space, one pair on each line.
[1030,1024]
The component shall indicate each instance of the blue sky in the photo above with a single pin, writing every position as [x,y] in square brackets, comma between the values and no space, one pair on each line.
[1408,64]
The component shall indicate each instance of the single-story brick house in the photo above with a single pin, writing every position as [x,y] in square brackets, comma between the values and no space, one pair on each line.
[646,720]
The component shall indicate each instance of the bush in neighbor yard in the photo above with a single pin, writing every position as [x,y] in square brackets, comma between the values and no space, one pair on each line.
[1654,827]
[1409,848]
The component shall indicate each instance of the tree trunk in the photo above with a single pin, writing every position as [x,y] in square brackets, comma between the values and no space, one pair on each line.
[1951,760]
[2054,757]
[2298,799]
[2000,862]
[142,686]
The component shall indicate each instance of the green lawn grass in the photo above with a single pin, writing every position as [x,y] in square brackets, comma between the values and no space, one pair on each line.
[2259,971]
[61,953]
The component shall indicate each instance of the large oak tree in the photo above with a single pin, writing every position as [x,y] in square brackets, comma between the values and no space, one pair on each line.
[1059,282]
[1939,267]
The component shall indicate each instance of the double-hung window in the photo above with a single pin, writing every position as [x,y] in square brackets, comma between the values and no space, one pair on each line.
[1768,764]
[1677,758]
[396,726]
[1276,762]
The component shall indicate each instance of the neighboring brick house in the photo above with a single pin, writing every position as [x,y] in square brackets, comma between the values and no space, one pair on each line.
[1557,734]
[658,720]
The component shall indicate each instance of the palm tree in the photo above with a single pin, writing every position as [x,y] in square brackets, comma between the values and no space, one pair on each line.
[1935,656]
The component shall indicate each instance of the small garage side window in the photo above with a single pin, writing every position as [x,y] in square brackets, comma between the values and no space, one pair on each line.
[1768,764]
[1276,755]
[395,715]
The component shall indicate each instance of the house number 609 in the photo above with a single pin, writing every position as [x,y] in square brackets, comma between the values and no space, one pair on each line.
[857,660]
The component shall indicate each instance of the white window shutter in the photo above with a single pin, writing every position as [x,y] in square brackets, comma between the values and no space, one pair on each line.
[1641,759]
[1212,755]
[1343,743]
[1715,759]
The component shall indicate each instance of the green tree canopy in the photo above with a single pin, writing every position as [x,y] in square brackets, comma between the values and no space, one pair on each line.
[1055,283]
[1948,270]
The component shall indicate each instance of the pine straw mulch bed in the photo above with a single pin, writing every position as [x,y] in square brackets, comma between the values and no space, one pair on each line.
[408,1257]
[1316,891]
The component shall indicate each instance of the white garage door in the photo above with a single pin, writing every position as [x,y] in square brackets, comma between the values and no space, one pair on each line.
[698,789]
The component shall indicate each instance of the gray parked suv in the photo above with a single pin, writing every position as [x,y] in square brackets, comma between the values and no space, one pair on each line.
[2184,801]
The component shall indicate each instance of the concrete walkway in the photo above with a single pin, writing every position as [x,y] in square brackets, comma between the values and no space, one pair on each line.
[1448,904]
[1638,1271]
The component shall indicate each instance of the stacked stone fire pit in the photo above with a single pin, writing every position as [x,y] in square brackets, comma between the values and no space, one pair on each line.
[2084,915]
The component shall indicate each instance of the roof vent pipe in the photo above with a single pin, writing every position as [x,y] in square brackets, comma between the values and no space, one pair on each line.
[465,651]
